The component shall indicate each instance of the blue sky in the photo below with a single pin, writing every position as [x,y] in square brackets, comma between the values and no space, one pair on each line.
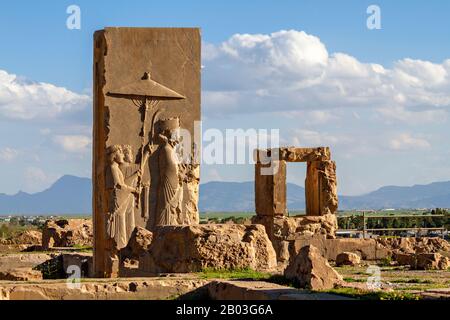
[397,137]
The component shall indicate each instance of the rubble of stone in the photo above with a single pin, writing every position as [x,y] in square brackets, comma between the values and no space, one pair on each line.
[20,274]
[348,259]
[126,289]
[423,261]
[432,261]
[27,237]
[140,242]
[22,267]
[320,194]
[414,245]
[310,270]
[181,249]
[67,233]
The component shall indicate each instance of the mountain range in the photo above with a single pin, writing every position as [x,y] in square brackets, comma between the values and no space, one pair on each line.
[71,195]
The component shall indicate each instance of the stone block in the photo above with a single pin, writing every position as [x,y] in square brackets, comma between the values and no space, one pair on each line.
[270,190]
[181,249]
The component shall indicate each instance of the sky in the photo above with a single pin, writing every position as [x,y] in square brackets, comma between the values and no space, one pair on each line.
[380,98]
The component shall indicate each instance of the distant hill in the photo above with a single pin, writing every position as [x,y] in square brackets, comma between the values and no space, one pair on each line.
[71,195]
[240,196]
[434,195]
[231,196]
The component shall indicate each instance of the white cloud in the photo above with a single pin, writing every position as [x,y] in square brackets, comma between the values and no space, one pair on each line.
[73,143]
[8,154]
[211,174]
[406,141]
[35,179]
[402,114]
[311,138]
[292,71]
[25,100]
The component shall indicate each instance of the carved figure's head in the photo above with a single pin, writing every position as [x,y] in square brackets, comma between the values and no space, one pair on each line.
[168,130]
[115,154]
[128,153]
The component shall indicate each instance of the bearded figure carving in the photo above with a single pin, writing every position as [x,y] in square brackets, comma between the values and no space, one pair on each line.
[170,189]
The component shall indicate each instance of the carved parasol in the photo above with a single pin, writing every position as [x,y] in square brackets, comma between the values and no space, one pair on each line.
[146,94]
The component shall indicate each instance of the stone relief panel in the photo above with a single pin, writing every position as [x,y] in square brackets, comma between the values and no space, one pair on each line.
[146,91]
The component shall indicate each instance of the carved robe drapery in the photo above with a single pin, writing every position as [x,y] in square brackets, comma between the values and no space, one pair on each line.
[170,191]
[120,222]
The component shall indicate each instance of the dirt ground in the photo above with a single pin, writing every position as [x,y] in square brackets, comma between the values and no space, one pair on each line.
[401,280]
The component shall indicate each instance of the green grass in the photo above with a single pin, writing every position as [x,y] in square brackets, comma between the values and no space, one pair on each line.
[81,248]
[242,274]
[372,295]
[354,280]
[223,215]
[414,280]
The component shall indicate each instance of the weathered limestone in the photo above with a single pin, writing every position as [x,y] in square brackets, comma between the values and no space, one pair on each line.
[348,259]
[432,261]
[415,245]
[146,103]
[270,180]
[312,271]
[321,186]
[423,261]
[260,290]
[270,195]
[367,249]
[20,274]
[67,233]
[22,260]
[140,242]
[181,249]
[150,289]
[270,190]
[21,266]
[28,237]
[294,154]
[405,259]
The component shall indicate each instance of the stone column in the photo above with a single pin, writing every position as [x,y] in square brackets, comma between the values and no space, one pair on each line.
[321,188]
[270,190]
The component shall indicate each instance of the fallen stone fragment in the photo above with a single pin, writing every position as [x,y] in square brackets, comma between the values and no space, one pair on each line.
[348,259]
[312,271]
[432,261]
[181,249]
[20,274]
[67,233]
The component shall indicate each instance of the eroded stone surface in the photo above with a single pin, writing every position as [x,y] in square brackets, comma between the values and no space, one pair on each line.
[183,249]
[20,274]
[432,261]
[146,95]
[312,271]
[28,237]
[67,233]
[151,289]
[140,242]
[260,290]
[415,245]
[348,259]
[283,231]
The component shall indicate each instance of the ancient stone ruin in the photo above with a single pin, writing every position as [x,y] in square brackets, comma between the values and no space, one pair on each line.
[270,196]
[146,98]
